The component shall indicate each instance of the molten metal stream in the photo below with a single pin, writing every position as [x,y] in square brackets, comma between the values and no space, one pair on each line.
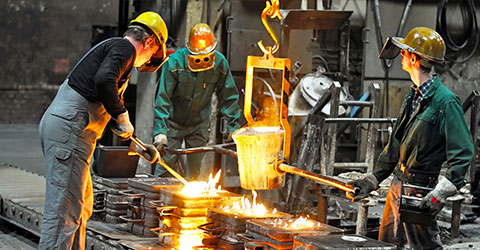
[315,177]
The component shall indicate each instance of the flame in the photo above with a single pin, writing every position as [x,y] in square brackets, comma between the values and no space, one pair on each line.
[245,207]
[202,188]
[294,224]
[189,239]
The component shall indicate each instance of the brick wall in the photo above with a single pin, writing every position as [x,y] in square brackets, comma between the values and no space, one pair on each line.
[25,104]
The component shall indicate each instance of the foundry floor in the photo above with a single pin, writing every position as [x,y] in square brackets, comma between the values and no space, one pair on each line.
[20,146]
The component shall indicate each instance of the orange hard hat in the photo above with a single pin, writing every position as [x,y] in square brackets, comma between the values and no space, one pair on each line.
[201,39]
[201,45]
[422,41]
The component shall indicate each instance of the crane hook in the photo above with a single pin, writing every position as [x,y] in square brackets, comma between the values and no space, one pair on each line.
[271,10]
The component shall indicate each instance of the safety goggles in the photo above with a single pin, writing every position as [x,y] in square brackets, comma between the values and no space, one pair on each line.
[201,62]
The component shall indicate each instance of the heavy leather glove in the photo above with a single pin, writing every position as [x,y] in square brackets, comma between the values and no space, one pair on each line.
[435,199]
[151,154]
[123,127]
[160,141]
[365,186]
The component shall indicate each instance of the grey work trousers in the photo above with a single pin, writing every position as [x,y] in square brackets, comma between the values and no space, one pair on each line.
[392,230]
[69,130]
[194,136]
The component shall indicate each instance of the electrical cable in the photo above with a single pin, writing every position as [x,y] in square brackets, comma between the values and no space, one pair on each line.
[471,30]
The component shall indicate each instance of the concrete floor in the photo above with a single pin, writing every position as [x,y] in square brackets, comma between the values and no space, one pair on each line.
[20,146]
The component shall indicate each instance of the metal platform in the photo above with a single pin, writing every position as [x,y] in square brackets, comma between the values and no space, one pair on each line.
[22,199]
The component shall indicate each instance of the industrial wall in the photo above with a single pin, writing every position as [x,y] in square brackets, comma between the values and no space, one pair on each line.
[40,43]
[41,40]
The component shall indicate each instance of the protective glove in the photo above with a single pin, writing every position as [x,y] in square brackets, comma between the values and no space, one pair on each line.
[230,137]
[160,141]
[365,186]
[151,154]
[123,127]
[435,199]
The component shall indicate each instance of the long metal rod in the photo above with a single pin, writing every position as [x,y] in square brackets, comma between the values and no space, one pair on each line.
[316,177]
[219,148]
[140,144]
[171,171]
[361,120]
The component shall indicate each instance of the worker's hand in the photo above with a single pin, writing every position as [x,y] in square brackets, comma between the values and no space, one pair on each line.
[435,199]
[160,141]
[151,154]
[364,186]
[122,126]
[230,137]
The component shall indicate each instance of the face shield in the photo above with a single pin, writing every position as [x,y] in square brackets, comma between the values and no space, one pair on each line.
[201,62]
[156,61]
[390,49]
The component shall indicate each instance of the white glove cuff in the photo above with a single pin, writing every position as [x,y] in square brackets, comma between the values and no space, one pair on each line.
[444,189]
[122,118]
[160,138]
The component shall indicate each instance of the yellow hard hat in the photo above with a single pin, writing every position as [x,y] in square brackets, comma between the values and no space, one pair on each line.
[201,39]
[155,22]
[422,41]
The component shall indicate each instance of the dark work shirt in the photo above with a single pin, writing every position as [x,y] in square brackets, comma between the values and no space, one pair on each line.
[102,71]
[420,93]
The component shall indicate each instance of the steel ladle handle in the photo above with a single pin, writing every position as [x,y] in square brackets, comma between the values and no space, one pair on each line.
[316,177]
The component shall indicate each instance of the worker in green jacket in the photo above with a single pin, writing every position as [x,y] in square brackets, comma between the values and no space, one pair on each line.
[429,131]
[183,103]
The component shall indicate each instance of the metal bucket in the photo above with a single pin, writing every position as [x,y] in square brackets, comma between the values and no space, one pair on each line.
[258,149]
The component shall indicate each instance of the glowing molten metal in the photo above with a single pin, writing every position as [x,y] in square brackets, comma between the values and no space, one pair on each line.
[258,150]
[202,188]
[245,207]
[295,224]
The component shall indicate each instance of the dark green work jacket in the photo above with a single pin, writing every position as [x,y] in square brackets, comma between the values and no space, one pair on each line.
[419,144]
[184,97]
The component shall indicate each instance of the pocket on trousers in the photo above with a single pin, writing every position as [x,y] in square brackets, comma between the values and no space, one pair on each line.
[62,166]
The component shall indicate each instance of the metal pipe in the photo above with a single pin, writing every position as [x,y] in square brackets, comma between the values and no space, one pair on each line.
[219,148]
[361,120]
[356,103]
[404,17]
[171,171]
[140,144]
[316,177]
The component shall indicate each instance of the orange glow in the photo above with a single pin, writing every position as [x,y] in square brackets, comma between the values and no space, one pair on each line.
[245,207]
[315,177]
[259,148]
[294,224]
[188,239]
[202,188]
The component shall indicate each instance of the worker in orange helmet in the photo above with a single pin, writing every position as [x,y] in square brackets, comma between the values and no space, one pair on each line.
[90,96]
[429,131]
[183,103]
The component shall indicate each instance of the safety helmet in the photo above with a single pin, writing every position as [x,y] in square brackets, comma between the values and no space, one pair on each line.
[156,24]
[201,45]
[423,41]
[201,39]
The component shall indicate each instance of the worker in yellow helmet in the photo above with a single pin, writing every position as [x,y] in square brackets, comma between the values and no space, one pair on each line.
[429,130]
[183,103]
[90,96]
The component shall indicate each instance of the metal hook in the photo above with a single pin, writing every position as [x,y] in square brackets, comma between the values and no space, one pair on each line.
[271,10]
